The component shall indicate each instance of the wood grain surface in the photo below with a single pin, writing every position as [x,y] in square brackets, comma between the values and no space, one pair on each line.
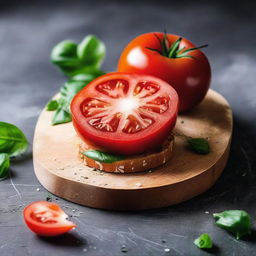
[186,175]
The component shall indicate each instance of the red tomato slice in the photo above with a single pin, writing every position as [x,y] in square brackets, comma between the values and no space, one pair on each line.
[125,113]
[47,219]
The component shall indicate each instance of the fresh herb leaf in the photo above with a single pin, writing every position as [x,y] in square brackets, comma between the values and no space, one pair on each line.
[86,75]
[77,83]
[91,51]
[64,55]
[4,165]
[234,221]
[199,145]
[80,62]
[204,241]
[72,58]
[12,140]
[52,105]
[103,156]
[62,115]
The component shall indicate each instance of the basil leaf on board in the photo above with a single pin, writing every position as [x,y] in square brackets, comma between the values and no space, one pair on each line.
[91,51]
[204,241]
[103,156]
[234,221]
[12,140]
[72,58]
[76,83]
[61,116]
[52,105]
[4,165]
[199,145]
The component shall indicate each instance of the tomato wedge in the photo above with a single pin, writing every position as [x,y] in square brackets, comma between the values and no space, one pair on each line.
[125,113]
[47,219]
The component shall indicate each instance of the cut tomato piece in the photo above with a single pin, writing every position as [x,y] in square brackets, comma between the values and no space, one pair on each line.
[47,219]
[125,113]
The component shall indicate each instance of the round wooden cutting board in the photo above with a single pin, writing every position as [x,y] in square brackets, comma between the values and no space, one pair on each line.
[187,174]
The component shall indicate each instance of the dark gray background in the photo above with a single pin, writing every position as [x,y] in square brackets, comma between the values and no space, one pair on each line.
[28,31]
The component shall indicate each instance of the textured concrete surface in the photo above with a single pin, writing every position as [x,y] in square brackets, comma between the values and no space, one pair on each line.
[28,31]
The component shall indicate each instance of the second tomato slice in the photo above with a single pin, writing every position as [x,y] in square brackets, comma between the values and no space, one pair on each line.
[125,113]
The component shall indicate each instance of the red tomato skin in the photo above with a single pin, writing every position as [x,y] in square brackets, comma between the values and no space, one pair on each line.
[119,145]
[189,77]
[46,229]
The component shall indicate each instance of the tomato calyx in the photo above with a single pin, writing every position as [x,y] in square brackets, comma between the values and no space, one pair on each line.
[173,50]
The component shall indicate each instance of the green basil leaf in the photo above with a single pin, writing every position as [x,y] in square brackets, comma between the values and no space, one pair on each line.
[81,63]
[69,90]
[52,105]
[62,115]
[103,156]
[78,82]
[234,221]
[199,145]
[64,49]
[64,55]
[12,140]
[204,241]
[73,59]
[91,51]
[4,165]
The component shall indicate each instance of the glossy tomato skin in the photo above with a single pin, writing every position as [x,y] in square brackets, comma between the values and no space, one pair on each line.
[57,225]
[118,143]
[190,77]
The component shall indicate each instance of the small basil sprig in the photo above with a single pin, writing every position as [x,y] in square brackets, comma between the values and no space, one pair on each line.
[204,241]
[82,64]
[73,59]
[4,165]
[67,92]
[103,156]
[234,221]
[12,140]
[199,145]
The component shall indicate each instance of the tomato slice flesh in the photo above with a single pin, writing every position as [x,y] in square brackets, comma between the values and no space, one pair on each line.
[120,107]
[47,219]
[129,110]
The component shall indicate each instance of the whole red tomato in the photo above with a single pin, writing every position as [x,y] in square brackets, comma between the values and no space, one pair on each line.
[173,59]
